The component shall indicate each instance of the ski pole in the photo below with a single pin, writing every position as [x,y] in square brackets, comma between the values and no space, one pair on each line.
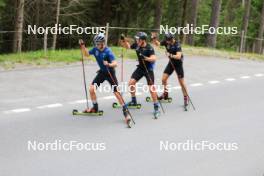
[182,86]
[122,65]
[84,78]
[122,99]
[151,80]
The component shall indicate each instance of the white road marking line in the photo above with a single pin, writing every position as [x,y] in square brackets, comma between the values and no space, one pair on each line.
[177,87]
[17,110]
[112,97]
[213,82]
[244,77]
[49,106]
[230,79]
[196,84]
[78,101]
[108,97]
[259,75]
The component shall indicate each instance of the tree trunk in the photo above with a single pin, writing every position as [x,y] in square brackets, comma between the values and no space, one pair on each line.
[192,20]
[184,20]
[18,35]
[57,22]
[34,44]
[245,24]
[158,14]
[260,32]
[214,22]
[106,16]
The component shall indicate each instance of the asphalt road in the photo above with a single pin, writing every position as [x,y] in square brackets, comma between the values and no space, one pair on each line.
[36,105]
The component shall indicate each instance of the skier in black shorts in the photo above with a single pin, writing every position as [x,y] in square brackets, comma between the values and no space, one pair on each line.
[174,52]
[106,62]
[146,57]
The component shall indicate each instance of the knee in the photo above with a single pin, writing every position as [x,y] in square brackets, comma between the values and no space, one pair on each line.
[181,81]
[164,80]
[132,82]
[91,89]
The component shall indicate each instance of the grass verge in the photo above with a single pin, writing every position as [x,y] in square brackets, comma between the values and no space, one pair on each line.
[64,57]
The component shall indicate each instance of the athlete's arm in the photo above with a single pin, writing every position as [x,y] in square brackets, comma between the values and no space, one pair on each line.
[177,56]
[151,58]
[112,64]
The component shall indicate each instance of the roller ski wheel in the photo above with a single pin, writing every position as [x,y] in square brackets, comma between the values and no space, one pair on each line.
[156,114]
[148,99]
[168,100]
[128,122]
[186,105]
[98,113]
[115,105]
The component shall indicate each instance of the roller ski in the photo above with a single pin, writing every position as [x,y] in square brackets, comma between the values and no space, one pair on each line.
[88,112]
[162,99]
[130,105]
[186,103]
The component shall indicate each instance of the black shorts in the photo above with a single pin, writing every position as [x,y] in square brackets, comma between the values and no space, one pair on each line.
[102,76]
[140,72]
[178,66]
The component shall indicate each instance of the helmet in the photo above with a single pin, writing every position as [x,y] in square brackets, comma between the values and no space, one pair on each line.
[169,36]
[99,38]
[141,35]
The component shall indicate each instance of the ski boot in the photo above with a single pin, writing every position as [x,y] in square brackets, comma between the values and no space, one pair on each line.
[156,112]
[186,103]
[127,118]
[165,98]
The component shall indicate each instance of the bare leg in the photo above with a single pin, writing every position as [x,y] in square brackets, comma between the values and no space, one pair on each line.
[132,88]
[92,93]
[153,93]
[183,86]
[165,82]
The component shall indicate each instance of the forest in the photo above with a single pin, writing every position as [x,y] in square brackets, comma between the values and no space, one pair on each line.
[128,17]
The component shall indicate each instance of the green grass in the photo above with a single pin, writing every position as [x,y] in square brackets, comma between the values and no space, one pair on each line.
[202,51]
[38,58]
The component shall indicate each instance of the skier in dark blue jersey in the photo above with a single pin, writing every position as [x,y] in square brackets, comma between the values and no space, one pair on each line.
[145,68]
[175,55]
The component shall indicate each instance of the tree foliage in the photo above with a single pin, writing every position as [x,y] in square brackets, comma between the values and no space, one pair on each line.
[127,13]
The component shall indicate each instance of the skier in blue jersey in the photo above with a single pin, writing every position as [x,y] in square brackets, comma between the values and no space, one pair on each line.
[107,63]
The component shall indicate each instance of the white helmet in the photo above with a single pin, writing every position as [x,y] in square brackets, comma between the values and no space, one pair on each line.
[99,38]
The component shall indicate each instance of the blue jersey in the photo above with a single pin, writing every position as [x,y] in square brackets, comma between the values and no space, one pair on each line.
[100,56]
[146,51]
